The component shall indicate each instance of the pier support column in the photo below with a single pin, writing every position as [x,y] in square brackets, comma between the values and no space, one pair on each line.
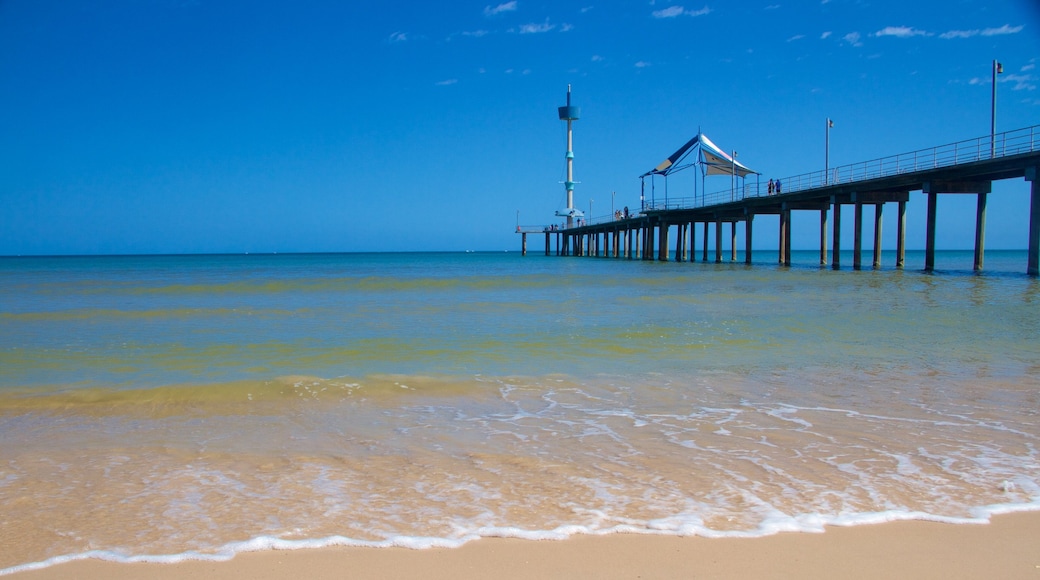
[980,232]
[648,251]
[836,235]
[901,236]
[877,235]
[823,237]
[732,241]
[929,237]
[718,241]
[705,257]
[662,246]
[1033,264]
[747,238]
[680,242]
[787,237]
[783,236]
[523,244]
[857,238]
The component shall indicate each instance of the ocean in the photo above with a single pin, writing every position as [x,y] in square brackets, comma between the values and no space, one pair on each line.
[162,408]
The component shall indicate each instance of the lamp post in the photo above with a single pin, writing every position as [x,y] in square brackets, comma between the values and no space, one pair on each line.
[733,176]
[518,220]
[612,214]
[827,153]
[997,69]
[590,211]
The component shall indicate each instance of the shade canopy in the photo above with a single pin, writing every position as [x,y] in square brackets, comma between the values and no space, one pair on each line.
[713,161]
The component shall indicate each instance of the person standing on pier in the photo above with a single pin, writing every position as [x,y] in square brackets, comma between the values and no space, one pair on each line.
[778,187]
[771,186]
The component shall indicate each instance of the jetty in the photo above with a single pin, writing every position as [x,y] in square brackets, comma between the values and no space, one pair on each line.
[963,168]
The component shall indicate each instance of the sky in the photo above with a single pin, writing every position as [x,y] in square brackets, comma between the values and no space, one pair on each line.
[197,126]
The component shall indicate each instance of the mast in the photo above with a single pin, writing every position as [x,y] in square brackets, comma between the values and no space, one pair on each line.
[570,114]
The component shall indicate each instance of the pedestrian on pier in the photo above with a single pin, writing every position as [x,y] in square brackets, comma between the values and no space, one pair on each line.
[771,186]
[778,191]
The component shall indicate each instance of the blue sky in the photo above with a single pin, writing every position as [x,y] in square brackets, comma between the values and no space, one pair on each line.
[162,126]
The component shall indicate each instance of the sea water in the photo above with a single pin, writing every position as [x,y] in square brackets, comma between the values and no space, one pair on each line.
[171,407]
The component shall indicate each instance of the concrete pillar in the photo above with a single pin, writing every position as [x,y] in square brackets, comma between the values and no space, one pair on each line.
[705,257]
[747,238]
[877,234]
[523,244]
[782,251]
[787,237]
[548,244]
[662,249]
[857,238]
[718,241]
[680,242]
[823,237]
[693,241]
[1033,265]
[836,235]
[732,241]
[929,238]
[980,231]
[901,236]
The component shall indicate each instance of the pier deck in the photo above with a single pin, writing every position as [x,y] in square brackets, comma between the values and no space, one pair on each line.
[967,167]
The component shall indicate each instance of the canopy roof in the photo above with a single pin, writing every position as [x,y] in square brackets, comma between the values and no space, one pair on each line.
[713,161]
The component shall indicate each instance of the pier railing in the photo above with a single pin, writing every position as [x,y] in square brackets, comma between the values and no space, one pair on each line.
[1005,144]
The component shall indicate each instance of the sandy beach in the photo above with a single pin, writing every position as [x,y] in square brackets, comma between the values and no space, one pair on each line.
[1006,548]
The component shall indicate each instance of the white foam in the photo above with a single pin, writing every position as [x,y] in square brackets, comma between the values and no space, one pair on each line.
[678,525]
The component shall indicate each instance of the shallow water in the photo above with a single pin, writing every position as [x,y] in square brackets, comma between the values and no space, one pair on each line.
[195,406]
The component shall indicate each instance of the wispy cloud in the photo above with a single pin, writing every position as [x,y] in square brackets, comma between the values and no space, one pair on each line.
[447,82]
[397,37]
[1006,29]
[901,32]
[826,35]
[476,33]
[674,11]
[642,64]
[796,37]
[852,38]
[503,7]
[772,7]
[586,9]
[596,58]
[1021,82]
[536,28]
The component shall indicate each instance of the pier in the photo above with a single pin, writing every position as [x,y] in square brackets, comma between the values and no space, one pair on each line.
[964,168]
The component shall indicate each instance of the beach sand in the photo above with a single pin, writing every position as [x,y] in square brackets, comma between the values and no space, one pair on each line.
[1007,548]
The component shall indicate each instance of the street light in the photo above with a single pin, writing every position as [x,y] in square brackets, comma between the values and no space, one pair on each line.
[612,213]
[590,210]
[997,69]
[827,153]
[733,176]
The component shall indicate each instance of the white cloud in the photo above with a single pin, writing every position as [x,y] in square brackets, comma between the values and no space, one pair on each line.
[504,7]
[536,28]
[772,7]
[1006,29]
[1028,67]
[796,37]
[852,38]
[586,9]
[673,11]
[1022,82]
[476,33]
[642,64]
[447,82]
[566,28]
[901,32]
[825,35]
[670,12]
[596,58]
[398,37]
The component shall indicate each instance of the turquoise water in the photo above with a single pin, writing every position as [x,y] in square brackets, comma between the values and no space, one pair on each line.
[193,406]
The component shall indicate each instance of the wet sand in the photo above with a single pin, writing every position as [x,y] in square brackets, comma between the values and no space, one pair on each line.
[1008,547]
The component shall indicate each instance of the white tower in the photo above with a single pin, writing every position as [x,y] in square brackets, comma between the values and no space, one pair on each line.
[570,114]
